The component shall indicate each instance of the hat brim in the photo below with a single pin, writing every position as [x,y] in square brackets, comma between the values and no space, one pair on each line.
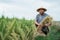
[41,9]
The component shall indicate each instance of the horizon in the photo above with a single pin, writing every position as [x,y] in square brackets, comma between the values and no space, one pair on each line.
[23,18]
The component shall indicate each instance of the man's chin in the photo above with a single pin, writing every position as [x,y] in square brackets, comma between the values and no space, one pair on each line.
[41,13]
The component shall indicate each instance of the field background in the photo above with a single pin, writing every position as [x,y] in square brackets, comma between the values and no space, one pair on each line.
[22,29]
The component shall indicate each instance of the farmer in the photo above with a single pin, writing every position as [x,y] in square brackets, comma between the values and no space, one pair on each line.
[40,17]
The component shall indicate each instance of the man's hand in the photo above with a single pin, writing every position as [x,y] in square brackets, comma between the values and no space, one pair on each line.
[39,24]
[48,24]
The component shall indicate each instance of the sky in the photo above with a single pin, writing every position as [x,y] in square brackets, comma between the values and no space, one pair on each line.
[27,8]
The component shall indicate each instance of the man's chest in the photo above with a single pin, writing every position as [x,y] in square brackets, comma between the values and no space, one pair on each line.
[41,17]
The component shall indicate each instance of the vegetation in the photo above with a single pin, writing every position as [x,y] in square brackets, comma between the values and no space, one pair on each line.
[22,29]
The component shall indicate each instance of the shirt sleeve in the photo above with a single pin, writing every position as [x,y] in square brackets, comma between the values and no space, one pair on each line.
[37,18]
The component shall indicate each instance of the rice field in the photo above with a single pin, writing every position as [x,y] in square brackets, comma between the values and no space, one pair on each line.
[22,29]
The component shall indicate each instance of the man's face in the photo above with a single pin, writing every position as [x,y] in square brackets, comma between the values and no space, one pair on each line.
[41,12]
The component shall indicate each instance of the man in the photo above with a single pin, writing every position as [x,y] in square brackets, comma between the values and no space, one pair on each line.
[39,18]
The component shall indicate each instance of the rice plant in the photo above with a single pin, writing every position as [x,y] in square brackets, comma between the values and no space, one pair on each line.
[22,29]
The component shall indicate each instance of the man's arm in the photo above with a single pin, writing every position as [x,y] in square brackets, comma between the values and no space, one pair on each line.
[37,23]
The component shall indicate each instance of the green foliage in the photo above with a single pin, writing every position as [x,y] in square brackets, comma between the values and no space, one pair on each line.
[22,29]
[16,29]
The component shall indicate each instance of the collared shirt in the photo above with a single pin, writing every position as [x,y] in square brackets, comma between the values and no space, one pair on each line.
[39,17]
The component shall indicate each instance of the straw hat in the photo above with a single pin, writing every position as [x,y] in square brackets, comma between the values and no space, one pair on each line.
[41,9]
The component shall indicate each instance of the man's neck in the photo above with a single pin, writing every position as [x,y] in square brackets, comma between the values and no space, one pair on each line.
[42,14]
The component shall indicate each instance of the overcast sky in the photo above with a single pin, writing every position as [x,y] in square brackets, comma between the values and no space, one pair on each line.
[27,8]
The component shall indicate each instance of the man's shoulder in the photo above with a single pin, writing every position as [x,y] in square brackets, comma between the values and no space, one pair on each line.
[46,14]
[38,15]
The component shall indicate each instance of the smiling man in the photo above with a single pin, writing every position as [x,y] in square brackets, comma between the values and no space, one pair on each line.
[39,18]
